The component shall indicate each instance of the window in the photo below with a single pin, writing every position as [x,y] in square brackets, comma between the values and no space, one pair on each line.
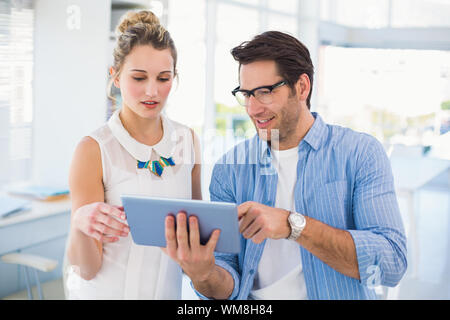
[420,13]
[288,6]
[355,13]
[186,102]
[202,99]
[230,33]
[16,112]
[231,120]
[400,97]
[375,14]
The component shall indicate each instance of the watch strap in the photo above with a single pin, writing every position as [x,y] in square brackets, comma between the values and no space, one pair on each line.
[295,230]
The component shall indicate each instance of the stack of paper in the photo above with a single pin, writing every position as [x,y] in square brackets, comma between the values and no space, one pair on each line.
[9,205]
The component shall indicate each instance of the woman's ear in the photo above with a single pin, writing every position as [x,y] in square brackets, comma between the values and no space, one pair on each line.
[112,73]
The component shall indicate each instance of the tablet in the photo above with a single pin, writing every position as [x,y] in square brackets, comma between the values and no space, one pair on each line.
[146,219]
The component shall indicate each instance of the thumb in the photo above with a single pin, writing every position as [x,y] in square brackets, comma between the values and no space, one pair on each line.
[243,208]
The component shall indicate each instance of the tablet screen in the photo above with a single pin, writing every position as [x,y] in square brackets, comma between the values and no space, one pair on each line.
[146,219]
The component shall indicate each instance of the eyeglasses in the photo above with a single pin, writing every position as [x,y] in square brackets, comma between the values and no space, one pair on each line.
[262,94]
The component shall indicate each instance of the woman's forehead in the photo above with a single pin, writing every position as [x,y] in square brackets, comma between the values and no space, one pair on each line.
[148,59]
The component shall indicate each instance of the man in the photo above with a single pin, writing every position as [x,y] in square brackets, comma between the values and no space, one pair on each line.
[318,213]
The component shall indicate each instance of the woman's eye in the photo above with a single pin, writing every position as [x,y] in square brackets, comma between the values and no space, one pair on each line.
[138,79]
[163,79]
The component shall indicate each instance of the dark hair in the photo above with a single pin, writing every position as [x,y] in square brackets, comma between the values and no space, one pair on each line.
[290,55]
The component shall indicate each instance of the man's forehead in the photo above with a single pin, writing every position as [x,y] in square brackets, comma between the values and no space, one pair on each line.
[258,73]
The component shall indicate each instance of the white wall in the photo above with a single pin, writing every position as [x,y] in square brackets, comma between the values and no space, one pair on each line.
[70,74]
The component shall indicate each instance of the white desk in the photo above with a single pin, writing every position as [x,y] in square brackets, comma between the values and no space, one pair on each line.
[410,175]
[42,231]
[39,209]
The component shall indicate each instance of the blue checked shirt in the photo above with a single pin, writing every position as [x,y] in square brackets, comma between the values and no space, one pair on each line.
[344,179]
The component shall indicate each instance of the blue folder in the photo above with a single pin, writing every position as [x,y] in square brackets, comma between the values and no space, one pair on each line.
[10,205]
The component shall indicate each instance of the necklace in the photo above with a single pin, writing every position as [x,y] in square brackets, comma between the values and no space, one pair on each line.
[156,166]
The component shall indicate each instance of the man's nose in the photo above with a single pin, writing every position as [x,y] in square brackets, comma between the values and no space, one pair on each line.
[253,106]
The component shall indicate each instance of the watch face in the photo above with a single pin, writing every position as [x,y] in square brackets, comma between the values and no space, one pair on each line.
[297,219]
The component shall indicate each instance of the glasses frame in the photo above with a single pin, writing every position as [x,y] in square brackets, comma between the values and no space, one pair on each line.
[252,92]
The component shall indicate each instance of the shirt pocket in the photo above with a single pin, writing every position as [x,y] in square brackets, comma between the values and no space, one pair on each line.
[330,203]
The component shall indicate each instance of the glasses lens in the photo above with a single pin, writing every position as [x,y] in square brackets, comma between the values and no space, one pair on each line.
[240,97]
[264,96]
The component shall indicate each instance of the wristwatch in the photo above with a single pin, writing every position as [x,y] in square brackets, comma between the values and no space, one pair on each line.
[297,222]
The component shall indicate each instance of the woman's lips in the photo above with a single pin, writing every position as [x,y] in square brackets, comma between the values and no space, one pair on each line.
[150,104]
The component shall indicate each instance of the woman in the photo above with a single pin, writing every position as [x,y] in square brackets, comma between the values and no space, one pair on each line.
[116,159]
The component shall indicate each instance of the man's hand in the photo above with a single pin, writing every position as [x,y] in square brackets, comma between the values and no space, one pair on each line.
[258,222]
[196,260]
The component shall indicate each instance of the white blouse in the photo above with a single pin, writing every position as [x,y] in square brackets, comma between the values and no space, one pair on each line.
[131,271]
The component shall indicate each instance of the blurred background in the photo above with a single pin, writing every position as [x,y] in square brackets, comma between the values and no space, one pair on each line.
[381,67]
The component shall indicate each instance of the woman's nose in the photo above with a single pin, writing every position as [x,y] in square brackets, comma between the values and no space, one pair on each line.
[151,89]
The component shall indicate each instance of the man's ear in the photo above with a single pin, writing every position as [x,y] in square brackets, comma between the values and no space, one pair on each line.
[303,87]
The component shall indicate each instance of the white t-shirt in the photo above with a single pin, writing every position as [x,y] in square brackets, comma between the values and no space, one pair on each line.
[280,274]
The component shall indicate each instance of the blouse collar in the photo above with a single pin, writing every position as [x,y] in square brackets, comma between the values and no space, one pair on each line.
[140,151]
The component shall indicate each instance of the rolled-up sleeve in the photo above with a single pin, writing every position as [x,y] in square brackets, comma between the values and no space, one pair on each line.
[379,237]
[221,190]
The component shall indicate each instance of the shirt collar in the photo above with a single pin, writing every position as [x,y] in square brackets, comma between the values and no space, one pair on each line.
[317,134]
[140,151]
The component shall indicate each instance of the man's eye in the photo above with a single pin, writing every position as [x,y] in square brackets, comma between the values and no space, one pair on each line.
[245,94]
[263,92]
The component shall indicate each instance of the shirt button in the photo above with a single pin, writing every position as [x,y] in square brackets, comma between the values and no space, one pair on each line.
[252,271]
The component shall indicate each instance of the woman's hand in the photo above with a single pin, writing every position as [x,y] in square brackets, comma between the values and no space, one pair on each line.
[99,221]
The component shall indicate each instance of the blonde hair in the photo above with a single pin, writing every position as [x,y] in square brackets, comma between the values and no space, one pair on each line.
[139,28]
